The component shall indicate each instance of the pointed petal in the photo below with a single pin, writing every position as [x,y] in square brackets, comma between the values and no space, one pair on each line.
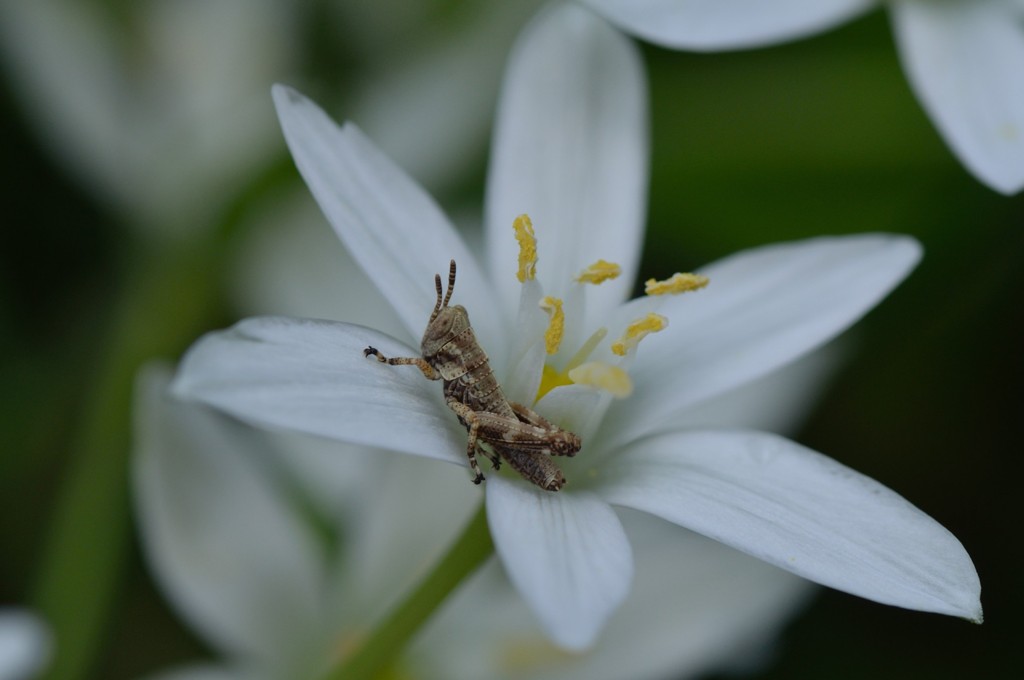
[570,150]
[801,511]
[763,308]
[695,606]
[566,553]
[964,61]
[393,228]
[726,24]
[311,377]
[223,540]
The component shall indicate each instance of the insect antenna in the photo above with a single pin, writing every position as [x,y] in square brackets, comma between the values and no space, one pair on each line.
[437,305]
[451,285]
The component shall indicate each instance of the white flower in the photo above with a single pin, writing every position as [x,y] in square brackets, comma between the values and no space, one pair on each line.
[964,58]
[223,514]
[25,644]
[570,150]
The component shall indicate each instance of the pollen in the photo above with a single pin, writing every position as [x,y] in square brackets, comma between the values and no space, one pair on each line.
[599,272]
[678,283]
[608,377]
[637,331]
[556,326]
[527,248]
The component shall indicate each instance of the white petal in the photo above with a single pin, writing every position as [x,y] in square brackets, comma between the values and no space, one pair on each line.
[801,511]
[570,150]
[393,228]
[726,24]
[410,511]
[311,377]
[695,605]
[964,61]
[221,534]
[205,672]
[763,308]
[566,553]
[449,77]
[779,402]
[25,644]
[291,263]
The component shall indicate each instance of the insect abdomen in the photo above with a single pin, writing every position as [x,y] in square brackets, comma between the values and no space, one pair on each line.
[535,467]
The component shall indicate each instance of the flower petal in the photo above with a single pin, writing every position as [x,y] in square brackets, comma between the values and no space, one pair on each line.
[571,150]
[964,61]
[206,672]
[763,308]
[694,607]
[311,377]
[25,643]
[801,511]
[225,542]
[393,228]
[566,553]
[726,24]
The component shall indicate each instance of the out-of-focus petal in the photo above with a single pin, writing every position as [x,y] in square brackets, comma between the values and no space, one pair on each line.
[292,264]
[312,377]
[571,151]
[763,308]
[221,536]
[709,25]
[25,644]
[566,553]
[695,604]
[801,511]
[964,61]
[392,227]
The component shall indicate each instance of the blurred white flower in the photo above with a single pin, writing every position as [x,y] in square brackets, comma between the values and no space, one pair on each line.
[160,110]
[25,644]
[160,107]
[571,150]
[964,58]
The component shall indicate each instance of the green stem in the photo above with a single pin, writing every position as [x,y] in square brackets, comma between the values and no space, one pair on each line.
[467,553]
[166,300]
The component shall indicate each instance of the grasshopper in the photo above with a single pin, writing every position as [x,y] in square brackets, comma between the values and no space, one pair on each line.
[511,431]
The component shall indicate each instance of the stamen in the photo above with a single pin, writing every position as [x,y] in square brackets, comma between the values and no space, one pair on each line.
[637,331]
[556,327]
[678,283]
[608,377]
[592,342]
[527,248]
[599,272]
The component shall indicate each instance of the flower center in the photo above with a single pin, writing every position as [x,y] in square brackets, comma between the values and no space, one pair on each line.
[606,372]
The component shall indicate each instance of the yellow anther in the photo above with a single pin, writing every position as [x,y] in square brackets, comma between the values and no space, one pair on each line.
[599,272]
[607,377]
[556,327]
[678,283]
[637,331]
[527,248]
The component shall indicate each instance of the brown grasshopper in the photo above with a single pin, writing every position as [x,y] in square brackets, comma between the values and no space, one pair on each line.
[512,431]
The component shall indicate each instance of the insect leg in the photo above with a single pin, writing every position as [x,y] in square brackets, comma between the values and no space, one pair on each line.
[563,442]
[427,369]
[469,417]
